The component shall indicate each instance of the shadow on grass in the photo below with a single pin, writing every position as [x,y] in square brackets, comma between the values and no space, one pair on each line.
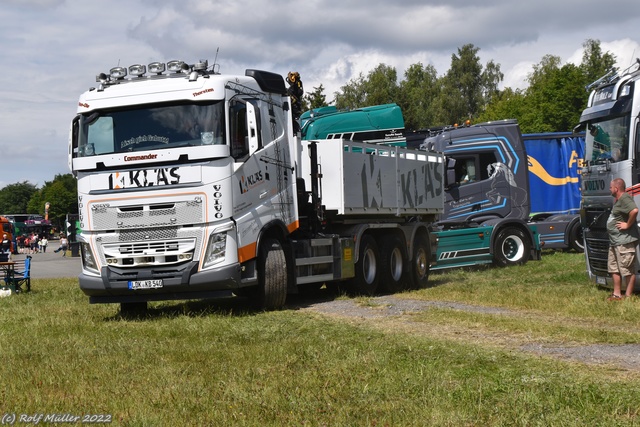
[236,306]
[239,306]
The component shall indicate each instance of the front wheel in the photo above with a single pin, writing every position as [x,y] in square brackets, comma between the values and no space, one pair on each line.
[511,247]
[576,238]
[272,276]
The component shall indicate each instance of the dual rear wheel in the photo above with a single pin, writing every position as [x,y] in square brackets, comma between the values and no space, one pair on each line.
[383,265]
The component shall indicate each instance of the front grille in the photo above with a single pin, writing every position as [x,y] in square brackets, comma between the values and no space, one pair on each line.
[597,247]
[150,253]
[149,248]
[148,234]
[151,234]
[131,217]
[597,218]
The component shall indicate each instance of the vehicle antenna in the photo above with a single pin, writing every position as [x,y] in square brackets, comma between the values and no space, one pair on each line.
[213,67]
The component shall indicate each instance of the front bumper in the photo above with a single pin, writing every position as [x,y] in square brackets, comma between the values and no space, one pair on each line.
[179,282]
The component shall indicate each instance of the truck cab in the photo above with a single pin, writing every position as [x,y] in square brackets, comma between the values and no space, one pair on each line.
[612,149]
[487,204]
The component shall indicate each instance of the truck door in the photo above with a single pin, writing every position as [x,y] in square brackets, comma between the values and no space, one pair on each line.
[462,196]
[482,187]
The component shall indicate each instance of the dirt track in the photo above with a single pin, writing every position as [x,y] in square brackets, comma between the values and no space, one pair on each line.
[394,313]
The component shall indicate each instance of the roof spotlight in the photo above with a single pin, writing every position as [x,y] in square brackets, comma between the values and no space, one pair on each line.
[118,72]
[137,70]
[157,67]
[177,66]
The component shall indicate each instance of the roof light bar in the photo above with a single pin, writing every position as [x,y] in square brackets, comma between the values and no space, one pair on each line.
[117,74]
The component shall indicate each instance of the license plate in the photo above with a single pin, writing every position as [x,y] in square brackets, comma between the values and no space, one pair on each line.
[145,284]
[600,280]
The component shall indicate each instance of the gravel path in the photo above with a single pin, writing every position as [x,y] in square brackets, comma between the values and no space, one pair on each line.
[392,312]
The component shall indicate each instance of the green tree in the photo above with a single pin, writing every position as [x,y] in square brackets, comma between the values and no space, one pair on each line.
[14,197]
[462,96]
[556,94]
[352,95]
[507,104]
[491,79]
[595,64]
[317,98]
[467,87]
[381,86]
[416,96]
[555,97]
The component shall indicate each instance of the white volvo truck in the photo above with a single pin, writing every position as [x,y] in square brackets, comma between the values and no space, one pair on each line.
[612,150]
[193,184]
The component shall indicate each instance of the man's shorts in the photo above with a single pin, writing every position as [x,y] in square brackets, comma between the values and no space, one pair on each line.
[622,259]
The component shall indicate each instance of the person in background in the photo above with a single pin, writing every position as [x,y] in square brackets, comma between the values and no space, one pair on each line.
[5,247]
[33,243]
[623,238]
[43,243]
[64,244]
[20,242]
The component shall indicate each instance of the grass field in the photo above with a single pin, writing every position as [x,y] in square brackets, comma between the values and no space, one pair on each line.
[218,363]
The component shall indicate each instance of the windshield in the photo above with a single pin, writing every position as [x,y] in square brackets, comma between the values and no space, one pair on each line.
[608,140]
[151,128]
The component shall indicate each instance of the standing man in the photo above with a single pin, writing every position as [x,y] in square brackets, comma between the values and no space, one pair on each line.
[623,238]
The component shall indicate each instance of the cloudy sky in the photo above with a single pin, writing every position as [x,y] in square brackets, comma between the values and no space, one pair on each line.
[53,49]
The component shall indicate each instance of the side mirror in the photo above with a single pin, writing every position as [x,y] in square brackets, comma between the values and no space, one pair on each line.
[450,175]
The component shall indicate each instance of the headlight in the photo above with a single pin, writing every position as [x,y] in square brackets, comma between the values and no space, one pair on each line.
[215,250]
[88,260]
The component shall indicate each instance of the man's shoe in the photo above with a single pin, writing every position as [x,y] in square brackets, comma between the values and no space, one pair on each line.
[614,297]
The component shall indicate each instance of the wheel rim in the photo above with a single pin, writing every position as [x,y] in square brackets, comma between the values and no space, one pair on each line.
[579,239]
[513,248]
[396,264]
[369,266]
[421,263]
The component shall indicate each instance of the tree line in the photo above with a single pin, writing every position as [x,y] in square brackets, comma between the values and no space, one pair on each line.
[552,102]
[26,198]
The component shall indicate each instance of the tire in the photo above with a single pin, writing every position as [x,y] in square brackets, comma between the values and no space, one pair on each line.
[511,247]
[392,265]
[272,276]
[576,238]
[420,260]
[367,268]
